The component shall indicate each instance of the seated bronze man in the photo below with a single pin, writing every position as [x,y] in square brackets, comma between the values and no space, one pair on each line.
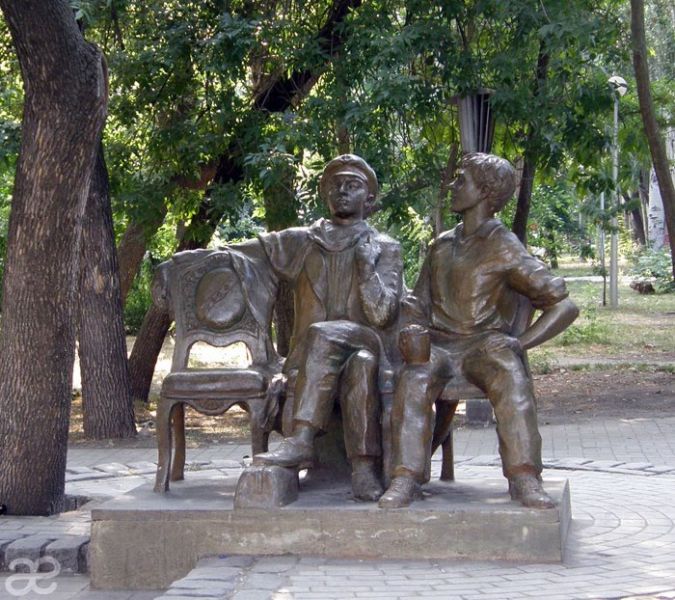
[347,283]
[465,297]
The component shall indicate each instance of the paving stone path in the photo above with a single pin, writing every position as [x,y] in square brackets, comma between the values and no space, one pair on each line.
[621,544]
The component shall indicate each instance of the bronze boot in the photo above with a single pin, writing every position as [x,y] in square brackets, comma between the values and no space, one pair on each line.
[528,490]
[366,484]
[402,491]
[292,452]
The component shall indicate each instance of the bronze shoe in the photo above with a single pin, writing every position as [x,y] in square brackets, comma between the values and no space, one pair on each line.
[528,490]
[291,452]
[366,485]
[402,491]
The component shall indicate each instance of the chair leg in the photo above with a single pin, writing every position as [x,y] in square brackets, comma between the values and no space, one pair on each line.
[178,423]
[259,439]
[445,412]
[448,462]
[163,445]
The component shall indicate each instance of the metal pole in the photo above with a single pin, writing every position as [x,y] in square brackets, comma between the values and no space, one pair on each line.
[601,250]
[614,244]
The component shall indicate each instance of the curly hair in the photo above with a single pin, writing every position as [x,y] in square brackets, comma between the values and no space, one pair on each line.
[495,176]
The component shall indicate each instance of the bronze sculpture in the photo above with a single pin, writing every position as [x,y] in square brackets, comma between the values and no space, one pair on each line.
[465,296]
[347,283]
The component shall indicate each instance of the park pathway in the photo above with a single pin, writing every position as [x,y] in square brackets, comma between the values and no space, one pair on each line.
[621,545]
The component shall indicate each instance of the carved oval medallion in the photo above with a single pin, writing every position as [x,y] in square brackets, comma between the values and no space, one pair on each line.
[219,299]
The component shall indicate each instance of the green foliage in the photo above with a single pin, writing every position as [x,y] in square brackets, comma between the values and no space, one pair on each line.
[186,79]
[541,361]
[139,299]
[586,330]
[656,267]
[414,233]
[554,224]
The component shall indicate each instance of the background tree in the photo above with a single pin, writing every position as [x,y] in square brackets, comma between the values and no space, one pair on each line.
[656,145]
[107,408]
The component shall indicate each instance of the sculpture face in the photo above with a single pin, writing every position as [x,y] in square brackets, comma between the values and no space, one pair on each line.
[465,193]
[347,196]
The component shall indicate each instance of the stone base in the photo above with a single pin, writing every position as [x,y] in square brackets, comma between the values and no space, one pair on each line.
[479,412]
[144,540]
[266,487]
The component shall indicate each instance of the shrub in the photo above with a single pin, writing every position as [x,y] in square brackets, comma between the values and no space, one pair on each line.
[588,330]
[139,299]
[655,267]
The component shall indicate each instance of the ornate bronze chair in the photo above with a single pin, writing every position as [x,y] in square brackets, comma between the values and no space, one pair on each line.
[204,293]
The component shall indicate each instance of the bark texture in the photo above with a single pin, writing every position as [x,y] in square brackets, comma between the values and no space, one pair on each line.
[106,398]
[656,145]
[64,111]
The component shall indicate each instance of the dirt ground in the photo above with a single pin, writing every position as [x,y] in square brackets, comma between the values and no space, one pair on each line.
[571,395]
[564,396]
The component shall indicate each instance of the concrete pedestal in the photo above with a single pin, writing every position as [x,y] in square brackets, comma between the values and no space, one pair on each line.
[144,540]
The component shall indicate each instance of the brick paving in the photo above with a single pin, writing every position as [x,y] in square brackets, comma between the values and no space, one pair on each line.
[621,544]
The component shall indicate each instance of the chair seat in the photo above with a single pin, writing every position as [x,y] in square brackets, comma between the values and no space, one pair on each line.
[213,383]
[460,389]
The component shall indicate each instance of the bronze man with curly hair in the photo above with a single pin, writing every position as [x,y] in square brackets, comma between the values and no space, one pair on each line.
[466,297]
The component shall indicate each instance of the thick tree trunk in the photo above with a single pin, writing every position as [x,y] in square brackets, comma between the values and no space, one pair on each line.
[106,399]
[64,111]
[656,145]
[134,241]
[131,250]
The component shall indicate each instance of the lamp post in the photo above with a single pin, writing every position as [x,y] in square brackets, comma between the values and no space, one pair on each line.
[619,87]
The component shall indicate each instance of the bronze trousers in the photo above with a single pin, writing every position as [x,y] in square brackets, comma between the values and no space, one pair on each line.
[500,374]
[341,360]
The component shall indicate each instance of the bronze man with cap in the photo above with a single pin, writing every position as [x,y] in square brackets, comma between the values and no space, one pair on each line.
[347,283]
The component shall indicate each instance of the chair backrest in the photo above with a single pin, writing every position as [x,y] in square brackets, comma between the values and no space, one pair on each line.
[523,315]
[220,297]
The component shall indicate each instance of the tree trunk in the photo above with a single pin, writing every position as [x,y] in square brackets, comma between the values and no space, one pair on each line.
[656,145]
[146,349]
[656,216]
[106,399]
[530,159]
[635,221]
[131,250]
[134,241]
[524,198]
[64,111]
